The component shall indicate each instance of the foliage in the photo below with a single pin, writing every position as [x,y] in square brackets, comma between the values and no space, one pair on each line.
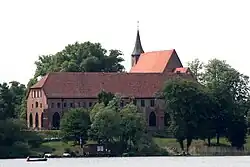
[237,130]
[230,93]
[97,108]
[11,99]
[196,66]
[105,125]
[132,125]
[18,92]
[75,124]
[80,57]
[105,97]
[188,107]
[14,141]
[113,124]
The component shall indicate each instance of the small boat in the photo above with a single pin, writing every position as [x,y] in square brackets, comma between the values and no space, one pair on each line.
[36,159]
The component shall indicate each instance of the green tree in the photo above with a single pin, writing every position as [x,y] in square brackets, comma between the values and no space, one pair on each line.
[98,107]
[132,126]
[105,97]
[207,109]
[237,130]
[80,57]
[14,141]
[75,124]
[184,99]
[196,66]
[7,106]
[18,92]
[105,127]
[230,90]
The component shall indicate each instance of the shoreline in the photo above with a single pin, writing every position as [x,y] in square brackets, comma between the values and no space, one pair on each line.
[150,156]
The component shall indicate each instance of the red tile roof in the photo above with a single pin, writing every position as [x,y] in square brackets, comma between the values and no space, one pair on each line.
[151,62]
[90,84]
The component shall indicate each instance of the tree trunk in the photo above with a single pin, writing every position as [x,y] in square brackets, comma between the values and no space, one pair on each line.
[189,141]
[217,138]
[181,144]
[209,141]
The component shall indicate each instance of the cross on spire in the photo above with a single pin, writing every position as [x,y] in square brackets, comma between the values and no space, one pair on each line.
[138,48]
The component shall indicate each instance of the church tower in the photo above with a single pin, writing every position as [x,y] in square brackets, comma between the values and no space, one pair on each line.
[137,49]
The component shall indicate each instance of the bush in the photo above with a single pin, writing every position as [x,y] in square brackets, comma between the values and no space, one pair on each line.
[67,150]
[33,139]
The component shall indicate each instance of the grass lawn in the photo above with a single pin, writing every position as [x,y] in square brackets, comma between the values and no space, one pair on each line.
[57,148]
[199,146]
[171,142]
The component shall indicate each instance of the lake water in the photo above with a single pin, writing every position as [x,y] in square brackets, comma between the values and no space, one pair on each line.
[234,161]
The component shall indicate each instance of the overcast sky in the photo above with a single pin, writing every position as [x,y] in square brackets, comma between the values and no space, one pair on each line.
[201,29]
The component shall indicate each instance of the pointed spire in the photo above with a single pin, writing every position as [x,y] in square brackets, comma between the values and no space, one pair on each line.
[138,47]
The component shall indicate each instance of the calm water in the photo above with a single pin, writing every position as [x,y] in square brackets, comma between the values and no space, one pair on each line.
[135,162]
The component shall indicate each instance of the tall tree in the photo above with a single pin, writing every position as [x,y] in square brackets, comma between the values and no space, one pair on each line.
[230,90]
[113,124]
[105,127]
[196,66]
[75,124]
[185,102]
[18,92]
[80,57]
[7,106]
[132,126]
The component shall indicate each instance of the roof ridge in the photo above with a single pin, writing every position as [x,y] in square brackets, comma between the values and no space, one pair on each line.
[43,81]
[159,51]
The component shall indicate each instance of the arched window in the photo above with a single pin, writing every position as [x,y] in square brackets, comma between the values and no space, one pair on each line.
[152,119]
[36,121]
[166,119]
[56,120]
[42,120]
[31,120]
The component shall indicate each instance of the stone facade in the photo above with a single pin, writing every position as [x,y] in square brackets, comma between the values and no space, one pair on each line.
[48,112]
